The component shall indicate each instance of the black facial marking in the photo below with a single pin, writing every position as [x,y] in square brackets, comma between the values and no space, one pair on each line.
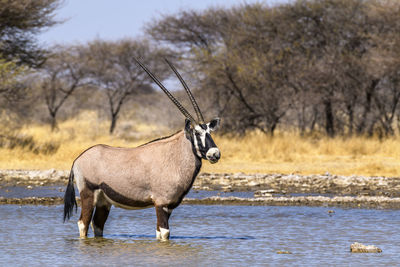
[209,143]
[195,137]
[214,124]
[203,126]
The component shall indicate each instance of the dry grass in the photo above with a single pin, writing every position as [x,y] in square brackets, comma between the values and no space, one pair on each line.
[73,137]
[254,153]
[290,153]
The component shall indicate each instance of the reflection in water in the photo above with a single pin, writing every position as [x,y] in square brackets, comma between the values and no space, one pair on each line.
[201,236]
[183,237]
[59,191]
[148,251]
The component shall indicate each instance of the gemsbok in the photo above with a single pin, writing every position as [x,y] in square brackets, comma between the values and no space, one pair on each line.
[159,173]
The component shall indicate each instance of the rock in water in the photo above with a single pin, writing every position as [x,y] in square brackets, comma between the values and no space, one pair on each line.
[283,252]
[263,193]
[361,248]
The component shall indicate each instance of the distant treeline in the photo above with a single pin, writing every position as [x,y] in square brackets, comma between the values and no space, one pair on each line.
[331,66]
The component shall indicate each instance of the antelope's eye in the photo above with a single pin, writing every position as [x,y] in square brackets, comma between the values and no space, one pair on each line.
[198,129]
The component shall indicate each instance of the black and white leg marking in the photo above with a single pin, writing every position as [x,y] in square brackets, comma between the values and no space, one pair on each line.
[99,219]
[87,206]
[163,214]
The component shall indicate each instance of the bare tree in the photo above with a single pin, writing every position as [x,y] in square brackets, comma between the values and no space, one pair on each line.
[113,70]
[59,77]
[236,63]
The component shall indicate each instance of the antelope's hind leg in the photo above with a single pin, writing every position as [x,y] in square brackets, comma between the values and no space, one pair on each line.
[163,214]
[87,206]
[101,213]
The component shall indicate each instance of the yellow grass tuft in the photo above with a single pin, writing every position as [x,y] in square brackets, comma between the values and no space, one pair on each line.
[253,153]
[291,153]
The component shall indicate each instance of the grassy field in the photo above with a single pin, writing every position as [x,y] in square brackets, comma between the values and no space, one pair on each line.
[35,147]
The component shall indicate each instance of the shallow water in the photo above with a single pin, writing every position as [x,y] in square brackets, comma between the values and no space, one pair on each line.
[33,191]
[202,235]
[58,191]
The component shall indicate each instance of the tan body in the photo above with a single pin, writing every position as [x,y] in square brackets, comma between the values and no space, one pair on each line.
[158,174]
[149,174]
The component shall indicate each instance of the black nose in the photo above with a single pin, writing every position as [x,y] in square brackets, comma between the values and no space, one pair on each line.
[216,155]
[213,154]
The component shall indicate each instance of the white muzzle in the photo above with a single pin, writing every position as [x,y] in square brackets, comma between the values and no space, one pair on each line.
[213,155]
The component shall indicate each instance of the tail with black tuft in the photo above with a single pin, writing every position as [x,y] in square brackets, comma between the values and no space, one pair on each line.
[69,197]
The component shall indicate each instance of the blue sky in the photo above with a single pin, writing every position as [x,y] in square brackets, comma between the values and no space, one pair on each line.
[115,19]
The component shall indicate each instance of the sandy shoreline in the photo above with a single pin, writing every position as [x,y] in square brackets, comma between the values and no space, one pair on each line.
[312,201]
[293,183]
[269,189]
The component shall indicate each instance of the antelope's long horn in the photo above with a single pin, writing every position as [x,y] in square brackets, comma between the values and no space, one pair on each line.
[194,103]
[170,96]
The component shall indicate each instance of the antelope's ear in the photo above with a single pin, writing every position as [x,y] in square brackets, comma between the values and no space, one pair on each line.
[214,124]
[187,126]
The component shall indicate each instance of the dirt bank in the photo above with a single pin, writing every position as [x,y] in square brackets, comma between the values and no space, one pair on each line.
[33,177]
[269,189]
[277,183]
[371,202]
[306,184]
[346,202]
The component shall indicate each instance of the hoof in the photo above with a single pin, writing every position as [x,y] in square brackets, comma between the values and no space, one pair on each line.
[82,230]
[98,232]
[163,234]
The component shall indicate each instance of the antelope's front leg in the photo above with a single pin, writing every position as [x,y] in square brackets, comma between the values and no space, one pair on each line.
[163,214]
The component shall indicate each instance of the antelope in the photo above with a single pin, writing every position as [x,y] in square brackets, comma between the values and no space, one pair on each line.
[156,174]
